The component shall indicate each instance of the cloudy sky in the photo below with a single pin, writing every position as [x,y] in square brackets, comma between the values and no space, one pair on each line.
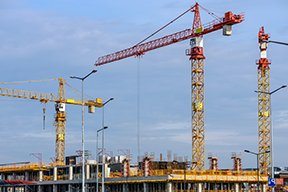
[50,39]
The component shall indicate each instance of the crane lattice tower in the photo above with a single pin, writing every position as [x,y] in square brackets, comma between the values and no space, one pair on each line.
[197,92]
[60,121]
[264,105]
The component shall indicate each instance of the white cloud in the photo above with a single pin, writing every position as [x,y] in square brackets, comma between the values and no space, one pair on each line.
[281,119]
[176,126]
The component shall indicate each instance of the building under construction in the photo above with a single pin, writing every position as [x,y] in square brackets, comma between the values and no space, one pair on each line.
[119,174]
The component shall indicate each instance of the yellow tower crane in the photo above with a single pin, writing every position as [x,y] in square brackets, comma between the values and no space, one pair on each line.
[60,118]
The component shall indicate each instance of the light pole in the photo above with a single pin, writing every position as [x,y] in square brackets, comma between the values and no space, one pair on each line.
[258,173]
[97,157]
[83,147]
[185,167]
[103,159]
[271,135]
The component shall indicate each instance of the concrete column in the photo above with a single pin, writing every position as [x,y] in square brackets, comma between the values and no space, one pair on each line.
[107,171]
[145,187]
[70,172]
[39,189]
[69,187]
[40,175]
[54,188]
[264,187]
[236,187]
[169,187]
[26,176]
[199,187]
[125,188]
[87,171]
[54,174]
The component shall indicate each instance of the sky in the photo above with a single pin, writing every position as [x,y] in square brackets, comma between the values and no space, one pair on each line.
[41,40]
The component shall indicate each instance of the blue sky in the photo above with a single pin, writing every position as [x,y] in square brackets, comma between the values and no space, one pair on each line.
[48,39]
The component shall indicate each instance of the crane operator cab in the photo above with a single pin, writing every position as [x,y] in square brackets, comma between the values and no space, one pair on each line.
[60,107]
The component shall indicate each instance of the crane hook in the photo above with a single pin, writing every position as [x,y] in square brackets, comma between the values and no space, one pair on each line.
[44,113]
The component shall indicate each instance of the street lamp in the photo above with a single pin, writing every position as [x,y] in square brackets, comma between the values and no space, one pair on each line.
[185,167]
[258,173]
[103,159]
[83,147]
[97,157]
[271,136]
[270,93]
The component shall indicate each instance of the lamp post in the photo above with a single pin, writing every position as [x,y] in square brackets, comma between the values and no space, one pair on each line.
[271,136]
[258,173]
[83,147]
[97,157]
[103,159]
[185,167]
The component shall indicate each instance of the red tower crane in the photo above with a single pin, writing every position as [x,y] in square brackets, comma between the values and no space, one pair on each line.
[264,109]
[264,104]
[197,65]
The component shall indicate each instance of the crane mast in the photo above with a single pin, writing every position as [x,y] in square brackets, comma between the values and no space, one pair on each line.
[197,92]
[60,124]
[264,104]
[197,57]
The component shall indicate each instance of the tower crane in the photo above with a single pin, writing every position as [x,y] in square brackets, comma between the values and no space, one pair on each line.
[264,103]
[60,117]
[196,55]
[264,109]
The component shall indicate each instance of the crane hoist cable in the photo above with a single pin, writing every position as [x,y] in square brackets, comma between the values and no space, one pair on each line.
[175,19]
[44,115]
[164,26]
[76,91]
[138,110]
[210,13]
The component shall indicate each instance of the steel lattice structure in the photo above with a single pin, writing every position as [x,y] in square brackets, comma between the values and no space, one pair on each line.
[264,105]
[60,122]
[198,130]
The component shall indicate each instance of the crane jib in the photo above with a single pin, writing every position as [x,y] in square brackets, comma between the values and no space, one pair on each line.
[140,49]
